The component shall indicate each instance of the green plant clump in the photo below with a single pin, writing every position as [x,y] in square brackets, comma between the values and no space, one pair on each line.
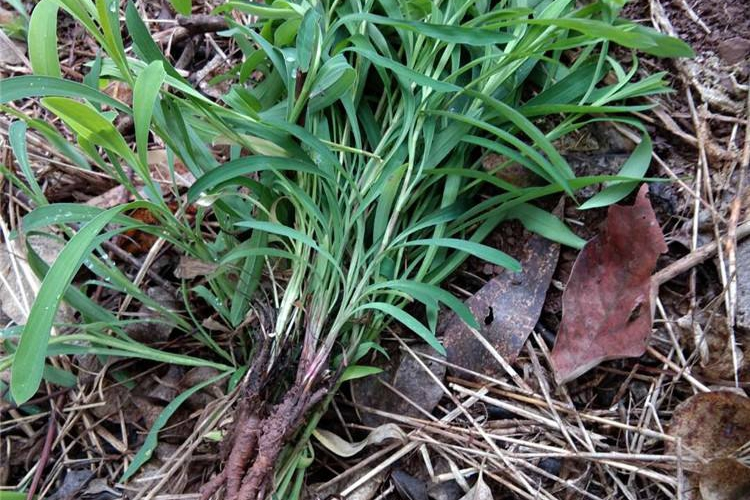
[354,184]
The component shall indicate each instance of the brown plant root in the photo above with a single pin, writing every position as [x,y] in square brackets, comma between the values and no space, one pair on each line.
[242,452]
[262,439]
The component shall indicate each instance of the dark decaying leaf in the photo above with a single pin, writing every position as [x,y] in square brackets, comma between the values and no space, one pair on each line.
[607,311]
[73,483]
[408,486]
[506,308]
[406,376]
[710,425]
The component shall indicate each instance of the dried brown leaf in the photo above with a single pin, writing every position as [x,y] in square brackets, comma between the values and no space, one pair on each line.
[110,198]
[189,268]
[607,310]
[344,448]
[711,425]
[725,479]
[11,51]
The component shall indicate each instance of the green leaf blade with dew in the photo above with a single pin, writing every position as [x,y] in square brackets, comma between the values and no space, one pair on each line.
[28,361]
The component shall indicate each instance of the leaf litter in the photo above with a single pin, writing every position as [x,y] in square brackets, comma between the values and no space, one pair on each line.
[480,491]
[607,305]
[659,409]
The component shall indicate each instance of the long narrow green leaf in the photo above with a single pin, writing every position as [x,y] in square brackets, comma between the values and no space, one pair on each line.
[484,252]
[86,121]
[145,92]
[278,229]
[419,290]
[17,139]
[407,75]
[407,320]
[244,166]
[544,223]
[143,44]
[446,33]
[28,361]
[149,444]
[24,87]
[635,166]
[261,10]
[183,7]
[42,39]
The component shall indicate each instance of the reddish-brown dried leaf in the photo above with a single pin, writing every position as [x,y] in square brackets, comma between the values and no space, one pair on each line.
[607,310]
[506,308]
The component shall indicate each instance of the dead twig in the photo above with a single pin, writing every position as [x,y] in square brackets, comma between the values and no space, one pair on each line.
[694,258]
[44,458]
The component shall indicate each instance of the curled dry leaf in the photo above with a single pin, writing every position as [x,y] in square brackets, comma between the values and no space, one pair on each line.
[19,284]
[110,198]
[11,52]
[710,425]
[725,479]
[506,308]
[344,448]
[607,310]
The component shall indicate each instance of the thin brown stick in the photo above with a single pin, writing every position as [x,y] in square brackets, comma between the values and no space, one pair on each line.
[44,458]
[694,258]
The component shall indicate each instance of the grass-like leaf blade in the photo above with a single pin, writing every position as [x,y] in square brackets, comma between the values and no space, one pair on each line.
[24,87]
[635,166]
[145,92]
[407,320]
[28,361]
[407,74]
[491,255]
[446,33]
[42,39]
[149,444]
[86,121]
